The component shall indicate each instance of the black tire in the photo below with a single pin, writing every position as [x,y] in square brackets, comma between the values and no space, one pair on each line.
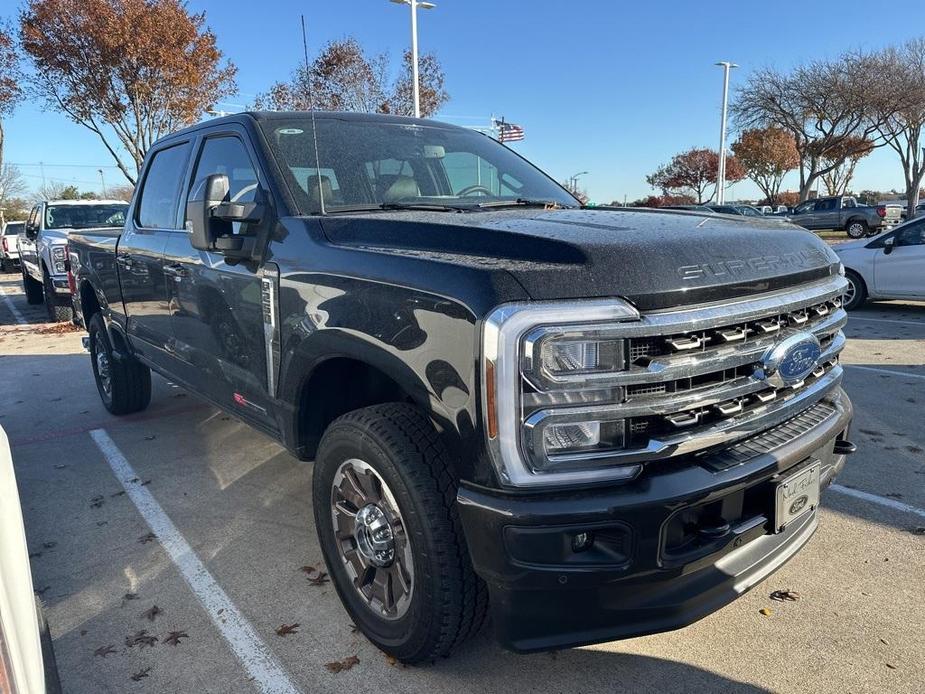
[128,388]
[35,293]
[57,312]
[856,228]
[857,291]
[448,602]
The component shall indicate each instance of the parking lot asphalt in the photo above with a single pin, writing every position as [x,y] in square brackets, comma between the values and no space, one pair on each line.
[184,509]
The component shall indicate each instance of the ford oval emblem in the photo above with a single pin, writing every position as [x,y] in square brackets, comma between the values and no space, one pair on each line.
[798,505]
[791,360]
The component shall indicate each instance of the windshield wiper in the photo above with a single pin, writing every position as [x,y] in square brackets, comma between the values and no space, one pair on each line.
[525,202]
[422,206]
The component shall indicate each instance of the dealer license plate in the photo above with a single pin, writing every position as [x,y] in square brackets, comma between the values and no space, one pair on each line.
[796,495]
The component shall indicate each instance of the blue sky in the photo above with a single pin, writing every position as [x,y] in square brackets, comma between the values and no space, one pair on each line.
[614,88]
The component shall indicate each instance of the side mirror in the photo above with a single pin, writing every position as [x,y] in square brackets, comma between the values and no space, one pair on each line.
[210,215]
[31,231]
[888,245]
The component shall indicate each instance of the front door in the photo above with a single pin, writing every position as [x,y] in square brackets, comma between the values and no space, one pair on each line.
[826,214]
[140,256]
[217,316]
[902,272]
[803,214]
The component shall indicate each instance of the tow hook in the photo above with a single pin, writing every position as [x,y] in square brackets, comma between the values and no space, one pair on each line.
[843,447]
[85,341]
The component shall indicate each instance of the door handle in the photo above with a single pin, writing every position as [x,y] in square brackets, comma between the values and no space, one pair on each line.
[177,271]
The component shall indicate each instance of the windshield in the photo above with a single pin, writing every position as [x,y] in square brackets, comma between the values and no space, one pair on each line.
[13,228]
[365,164]
[84,216]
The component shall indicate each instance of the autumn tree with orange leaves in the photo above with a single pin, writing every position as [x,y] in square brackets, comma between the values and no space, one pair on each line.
[130,71]
[767,155]
[10,90]
[693,174]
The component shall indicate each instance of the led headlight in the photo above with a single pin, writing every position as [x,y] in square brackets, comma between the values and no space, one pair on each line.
[60,266]
[548,372]
[58,253]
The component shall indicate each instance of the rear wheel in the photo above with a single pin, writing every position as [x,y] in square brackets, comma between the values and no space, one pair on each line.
[124,383]
[856,228]
[56,311]
[384,497]
[856,294]
[35,293]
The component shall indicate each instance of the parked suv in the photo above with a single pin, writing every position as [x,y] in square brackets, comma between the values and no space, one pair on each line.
[596,423]
[9,250]
[43,247]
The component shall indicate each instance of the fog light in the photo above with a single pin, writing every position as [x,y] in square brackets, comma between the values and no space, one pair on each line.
[582,541]
[564,437]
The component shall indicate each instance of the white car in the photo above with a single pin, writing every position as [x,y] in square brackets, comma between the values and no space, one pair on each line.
[891,266]
[27,661]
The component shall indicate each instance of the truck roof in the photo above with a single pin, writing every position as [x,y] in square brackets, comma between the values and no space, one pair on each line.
[351,116]
[86,202]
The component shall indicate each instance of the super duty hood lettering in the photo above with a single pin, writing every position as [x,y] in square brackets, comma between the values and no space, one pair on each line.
[755,266]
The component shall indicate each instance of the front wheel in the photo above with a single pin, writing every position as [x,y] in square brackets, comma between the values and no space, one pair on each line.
[56,312]
[857,228]
[124,383]
[856,294]
[384,497]
[35,293]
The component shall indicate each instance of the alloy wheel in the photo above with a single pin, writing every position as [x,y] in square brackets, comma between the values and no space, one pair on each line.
[371,539]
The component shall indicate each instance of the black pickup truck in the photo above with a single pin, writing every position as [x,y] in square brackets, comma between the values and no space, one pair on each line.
[595,423]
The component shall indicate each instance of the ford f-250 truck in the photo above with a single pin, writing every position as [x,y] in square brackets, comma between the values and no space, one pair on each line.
[595,423]
[43,247]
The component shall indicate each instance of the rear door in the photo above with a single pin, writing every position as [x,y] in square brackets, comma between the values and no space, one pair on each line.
[217,316]
[902,272]
[140,256]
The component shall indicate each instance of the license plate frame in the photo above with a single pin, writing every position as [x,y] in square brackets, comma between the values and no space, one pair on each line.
[796,495]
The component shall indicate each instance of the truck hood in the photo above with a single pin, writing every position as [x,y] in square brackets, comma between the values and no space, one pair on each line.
[656,259]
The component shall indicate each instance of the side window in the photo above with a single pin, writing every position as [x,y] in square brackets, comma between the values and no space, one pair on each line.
[913,235]
[227,155]
[825,205]
[803,208]
[157,207]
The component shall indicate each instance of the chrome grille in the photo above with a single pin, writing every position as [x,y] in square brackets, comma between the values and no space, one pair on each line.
[694,380]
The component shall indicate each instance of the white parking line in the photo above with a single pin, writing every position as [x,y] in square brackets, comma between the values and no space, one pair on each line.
[885,371]
[875,499]
[259,662]
[886,320]
[17,314]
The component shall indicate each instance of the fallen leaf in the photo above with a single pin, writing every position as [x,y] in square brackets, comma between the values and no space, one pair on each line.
[308,569]
[146,483]
[173,638]
[49,545]
[884,642]
[354,628]
[96,502]
[60,466]
[319,580]
[785,595]
[103,651]
[391,660]
[890,665]
[120,493]
[341,665]
[765,612]
[152,612]
[149,537]
[141,638]
[150,438]
[141,674]
[286,629]
[83,632]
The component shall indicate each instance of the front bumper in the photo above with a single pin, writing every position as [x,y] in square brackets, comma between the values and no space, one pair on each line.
[669,548]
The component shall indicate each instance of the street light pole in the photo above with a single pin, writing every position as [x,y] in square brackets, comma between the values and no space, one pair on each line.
[574,181]
[102,184]
[415,86]
[721,174]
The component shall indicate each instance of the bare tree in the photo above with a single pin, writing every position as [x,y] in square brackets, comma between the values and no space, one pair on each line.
[900,104]
[10,90]
[837,180]
[344,78]
[130,71]
[12,184]
[823,104]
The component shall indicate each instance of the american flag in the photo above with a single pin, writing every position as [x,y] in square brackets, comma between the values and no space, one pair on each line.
[509,132]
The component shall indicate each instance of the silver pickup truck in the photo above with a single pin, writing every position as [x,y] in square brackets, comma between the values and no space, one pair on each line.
[43,247]
[845,213]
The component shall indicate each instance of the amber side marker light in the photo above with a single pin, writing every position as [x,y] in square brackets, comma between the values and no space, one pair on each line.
[491,410]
